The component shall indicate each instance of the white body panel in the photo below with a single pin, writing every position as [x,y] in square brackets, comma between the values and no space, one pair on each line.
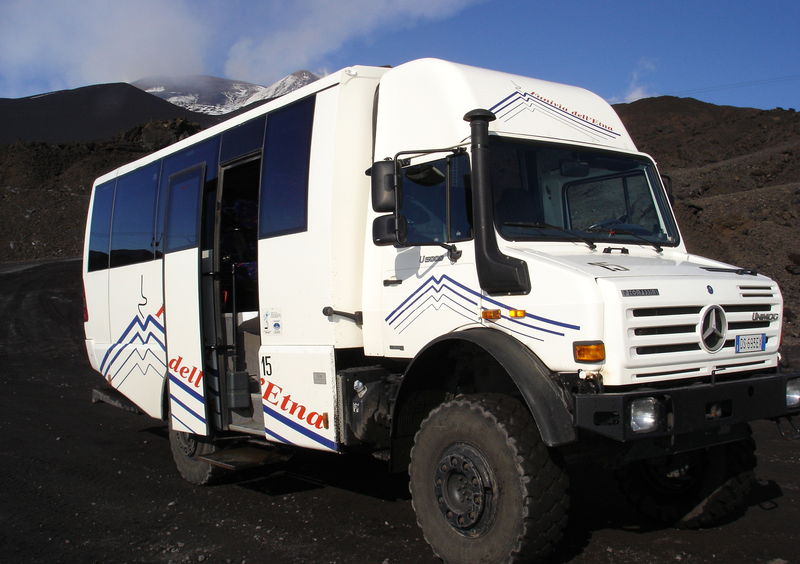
[298,399]
[137,364]
[435,297]
[184,344]
[422,105]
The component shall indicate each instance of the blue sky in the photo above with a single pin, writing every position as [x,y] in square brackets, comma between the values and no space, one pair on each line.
[733,52]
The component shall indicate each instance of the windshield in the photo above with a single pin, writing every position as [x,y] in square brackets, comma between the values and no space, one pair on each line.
[553,192]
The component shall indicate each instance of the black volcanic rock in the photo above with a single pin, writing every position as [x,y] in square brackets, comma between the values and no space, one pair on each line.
[86,114]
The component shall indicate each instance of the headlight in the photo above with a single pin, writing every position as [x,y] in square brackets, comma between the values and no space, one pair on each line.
[645,414]
[793,393]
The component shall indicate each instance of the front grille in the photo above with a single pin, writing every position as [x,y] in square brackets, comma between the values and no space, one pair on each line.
[665,311]
[757,291]
[674,329]
[661,349]
[737,325]
[665,330]
[749,307]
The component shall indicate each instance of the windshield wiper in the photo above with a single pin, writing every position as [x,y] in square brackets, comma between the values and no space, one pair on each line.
[614,231]
[539,225]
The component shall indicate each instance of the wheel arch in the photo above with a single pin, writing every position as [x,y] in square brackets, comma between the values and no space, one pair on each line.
[478,360]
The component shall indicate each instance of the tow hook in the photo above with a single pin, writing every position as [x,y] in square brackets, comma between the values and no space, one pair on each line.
[790,434]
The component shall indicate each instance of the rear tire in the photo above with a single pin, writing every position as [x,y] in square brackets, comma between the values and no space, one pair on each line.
[484,486]
[693,490]
[186,448]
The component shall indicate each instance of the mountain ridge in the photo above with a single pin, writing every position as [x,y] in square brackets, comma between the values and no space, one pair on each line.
[219,96]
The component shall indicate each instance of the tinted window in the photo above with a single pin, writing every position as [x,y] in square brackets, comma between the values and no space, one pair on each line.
[99,233]
[184,209]
[424,202]
[206,153]
[432,215]
[460,199]
[134,213]
[242,140]
[284,177]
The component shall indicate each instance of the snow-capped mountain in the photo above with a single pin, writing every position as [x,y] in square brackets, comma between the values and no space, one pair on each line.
[216,96]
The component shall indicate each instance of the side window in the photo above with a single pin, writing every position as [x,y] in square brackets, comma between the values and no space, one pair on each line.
[429,218]
[284,176]
[242,140]
[100,230]
[134,215]
[424,202]
[184,209]
[460,199]
[204,153]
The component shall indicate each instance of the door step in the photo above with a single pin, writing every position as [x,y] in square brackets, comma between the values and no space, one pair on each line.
[241,458]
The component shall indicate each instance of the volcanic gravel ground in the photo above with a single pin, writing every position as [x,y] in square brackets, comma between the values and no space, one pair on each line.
[91,483]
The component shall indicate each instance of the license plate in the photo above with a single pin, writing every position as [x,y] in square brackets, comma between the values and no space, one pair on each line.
[751,343]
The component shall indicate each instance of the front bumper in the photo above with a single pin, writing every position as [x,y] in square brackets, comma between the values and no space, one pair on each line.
[689,408]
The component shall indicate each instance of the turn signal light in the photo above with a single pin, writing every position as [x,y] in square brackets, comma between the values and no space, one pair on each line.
[593,352]
[517,313]
[491,314]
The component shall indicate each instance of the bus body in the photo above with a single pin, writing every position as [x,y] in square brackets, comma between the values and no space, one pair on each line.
[345,266]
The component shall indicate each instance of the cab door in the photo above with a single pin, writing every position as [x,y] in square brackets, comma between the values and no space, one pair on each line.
[428,290]
[182,302]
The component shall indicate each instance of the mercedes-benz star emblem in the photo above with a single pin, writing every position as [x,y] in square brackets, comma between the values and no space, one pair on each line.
[713,328]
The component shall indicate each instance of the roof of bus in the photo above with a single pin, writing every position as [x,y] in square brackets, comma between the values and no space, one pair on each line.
[422,104]
[316,86]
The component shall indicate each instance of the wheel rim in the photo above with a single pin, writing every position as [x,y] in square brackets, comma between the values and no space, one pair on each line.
[464,486]
[186,443]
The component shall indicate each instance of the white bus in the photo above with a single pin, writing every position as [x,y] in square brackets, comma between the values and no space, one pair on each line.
[473,275]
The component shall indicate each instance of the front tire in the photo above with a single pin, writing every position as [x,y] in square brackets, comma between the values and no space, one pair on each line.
[484,486]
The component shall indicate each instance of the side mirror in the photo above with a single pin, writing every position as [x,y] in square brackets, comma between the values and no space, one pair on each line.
[384,198]
[389,230]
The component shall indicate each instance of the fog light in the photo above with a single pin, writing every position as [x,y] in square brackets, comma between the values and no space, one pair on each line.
[793,393]
[645,414]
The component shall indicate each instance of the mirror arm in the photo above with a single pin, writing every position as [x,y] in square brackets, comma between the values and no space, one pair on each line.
[452,252]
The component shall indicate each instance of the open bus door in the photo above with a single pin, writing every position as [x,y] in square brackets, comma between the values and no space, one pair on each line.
[182,307]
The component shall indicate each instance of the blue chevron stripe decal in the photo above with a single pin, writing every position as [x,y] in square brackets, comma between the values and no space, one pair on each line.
[519,101]
[444,292]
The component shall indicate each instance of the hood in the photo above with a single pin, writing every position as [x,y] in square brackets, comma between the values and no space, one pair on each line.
[640,263]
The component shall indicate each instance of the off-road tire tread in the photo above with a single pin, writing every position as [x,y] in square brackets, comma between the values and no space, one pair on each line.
[543,476]
[191,469]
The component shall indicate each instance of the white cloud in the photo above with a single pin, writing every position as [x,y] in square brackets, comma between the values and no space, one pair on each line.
[636,87]
[307,31]
[51,44]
